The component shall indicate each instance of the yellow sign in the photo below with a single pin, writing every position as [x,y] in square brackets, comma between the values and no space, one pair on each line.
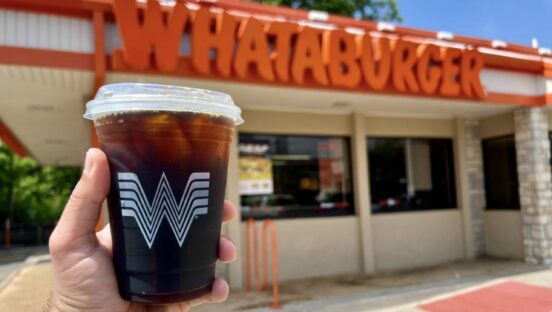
[255,175]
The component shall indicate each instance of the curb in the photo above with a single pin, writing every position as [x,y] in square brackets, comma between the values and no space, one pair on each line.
[11,277]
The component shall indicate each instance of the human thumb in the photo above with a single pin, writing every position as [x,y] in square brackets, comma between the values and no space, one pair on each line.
[82,211]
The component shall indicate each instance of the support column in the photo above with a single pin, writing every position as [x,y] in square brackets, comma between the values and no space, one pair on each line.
[535,186]
[362,191]
[234,228]
[471,185]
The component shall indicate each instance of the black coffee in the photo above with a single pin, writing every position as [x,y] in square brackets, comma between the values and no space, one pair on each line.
[168,179]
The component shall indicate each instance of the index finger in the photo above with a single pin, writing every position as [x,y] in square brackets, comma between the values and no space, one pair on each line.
[228,211]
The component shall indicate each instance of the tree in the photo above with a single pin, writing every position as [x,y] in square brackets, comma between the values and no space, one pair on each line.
[381,10]
[32,193]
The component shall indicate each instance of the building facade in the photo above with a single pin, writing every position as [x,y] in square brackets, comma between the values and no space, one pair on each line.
[373,147]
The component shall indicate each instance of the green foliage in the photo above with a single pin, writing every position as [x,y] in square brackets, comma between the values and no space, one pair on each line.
[381,10]
[39,192]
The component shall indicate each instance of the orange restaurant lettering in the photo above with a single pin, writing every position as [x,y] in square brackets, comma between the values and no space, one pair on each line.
[249,48]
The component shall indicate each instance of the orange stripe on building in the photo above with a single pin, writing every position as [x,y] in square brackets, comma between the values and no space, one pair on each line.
[522,100]
[72,8]
[82,9]
[46,58]
[513,64]
[68,60]
[547,68]
[12,141]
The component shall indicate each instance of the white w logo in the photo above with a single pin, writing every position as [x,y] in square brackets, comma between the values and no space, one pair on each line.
[193,203]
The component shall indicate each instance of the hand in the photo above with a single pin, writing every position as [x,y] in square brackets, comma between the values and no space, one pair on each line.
[84,277]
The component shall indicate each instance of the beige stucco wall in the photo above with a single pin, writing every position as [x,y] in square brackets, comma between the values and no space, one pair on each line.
[549,112]
[504,234]
[316,247]
[496,126]
[410,127]
[417,239]
[295,123]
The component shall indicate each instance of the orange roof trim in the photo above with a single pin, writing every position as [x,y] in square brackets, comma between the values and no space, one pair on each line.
[411,50]
[81,8]
[47,58]
[12,141]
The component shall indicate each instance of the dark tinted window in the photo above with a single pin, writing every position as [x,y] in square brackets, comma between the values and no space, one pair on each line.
[294,176]
[411,174]
[501,180]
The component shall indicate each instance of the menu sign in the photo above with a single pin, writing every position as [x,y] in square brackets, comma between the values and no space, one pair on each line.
[255,169]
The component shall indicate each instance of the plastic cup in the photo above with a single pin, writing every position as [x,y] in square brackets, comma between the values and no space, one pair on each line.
[167,149]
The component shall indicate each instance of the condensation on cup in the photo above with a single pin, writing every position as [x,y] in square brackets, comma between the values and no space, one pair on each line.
[167,148]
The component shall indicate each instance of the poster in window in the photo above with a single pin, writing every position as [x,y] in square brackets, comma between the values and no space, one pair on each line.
[255,170]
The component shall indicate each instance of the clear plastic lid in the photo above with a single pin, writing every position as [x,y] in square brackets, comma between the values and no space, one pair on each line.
[129,97]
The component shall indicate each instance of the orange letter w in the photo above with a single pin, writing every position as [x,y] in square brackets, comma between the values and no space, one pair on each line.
[140,39]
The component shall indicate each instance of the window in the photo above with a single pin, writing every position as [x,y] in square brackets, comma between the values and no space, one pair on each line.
[294,176]
[411,174]
[501,180]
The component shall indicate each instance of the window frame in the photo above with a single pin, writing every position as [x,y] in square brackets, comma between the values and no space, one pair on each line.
[456,187]
[486,174]
[349,142]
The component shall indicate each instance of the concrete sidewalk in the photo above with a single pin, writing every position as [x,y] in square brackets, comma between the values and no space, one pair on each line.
[409,299]
[397,291]
[28,286]
[12,259]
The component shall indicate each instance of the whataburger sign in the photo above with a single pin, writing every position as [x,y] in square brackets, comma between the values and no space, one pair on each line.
[250,49]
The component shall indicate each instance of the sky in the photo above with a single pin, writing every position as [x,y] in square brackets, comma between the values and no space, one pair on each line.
[515,21]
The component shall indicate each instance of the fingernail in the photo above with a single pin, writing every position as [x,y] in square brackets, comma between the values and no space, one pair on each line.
[87,163]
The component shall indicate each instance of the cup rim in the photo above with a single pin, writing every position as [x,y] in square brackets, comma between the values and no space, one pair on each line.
[135,97]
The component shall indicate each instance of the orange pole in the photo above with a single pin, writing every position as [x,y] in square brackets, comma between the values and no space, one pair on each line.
[251,230]
[248,225]
[7,237]
[265,258]
[256,257]
[275,291]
